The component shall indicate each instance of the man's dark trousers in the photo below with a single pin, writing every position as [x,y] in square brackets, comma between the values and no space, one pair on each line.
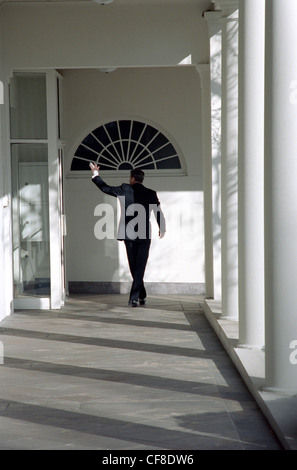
[137,253]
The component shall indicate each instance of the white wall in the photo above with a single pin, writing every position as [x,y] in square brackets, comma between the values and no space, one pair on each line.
[169,99]
[148,41]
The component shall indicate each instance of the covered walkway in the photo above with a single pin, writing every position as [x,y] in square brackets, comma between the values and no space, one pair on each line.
[101,375]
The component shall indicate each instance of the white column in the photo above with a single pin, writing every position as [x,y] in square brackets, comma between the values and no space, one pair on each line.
[3,208]
[54,193]
[281,195]
[251,162]
[6,256]
[204,72]
[214,29]
[229,167]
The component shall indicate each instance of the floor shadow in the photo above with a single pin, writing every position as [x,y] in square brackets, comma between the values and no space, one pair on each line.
[234,422]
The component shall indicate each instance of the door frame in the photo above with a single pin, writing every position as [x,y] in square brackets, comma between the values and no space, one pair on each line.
[55,181]
[55,188]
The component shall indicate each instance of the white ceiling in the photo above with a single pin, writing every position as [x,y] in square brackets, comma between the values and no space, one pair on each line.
[204,4]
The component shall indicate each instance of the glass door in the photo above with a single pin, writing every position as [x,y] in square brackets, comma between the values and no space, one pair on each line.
[36,191]
[31,247]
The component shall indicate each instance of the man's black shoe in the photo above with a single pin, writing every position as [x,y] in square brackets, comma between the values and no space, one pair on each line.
[133,303]
[141,301]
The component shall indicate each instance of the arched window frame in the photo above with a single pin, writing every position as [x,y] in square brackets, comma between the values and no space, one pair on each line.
[123,172]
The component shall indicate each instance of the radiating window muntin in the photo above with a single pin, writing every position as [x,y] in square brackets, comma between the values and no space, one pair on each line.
[124,145]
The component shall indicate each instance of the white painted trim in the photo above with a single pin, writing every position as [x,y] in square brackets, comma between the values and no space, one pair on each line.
[7,216]
[31,303]
[54,191]
[120,117]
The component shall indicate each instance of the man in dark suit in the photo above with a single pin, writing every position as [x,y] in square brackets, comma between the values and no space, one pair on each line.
[137,202]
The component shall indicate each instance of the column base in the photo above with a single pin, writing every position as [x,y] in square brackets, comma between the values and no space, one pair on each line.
[251,346]
[278,391]
[226,317]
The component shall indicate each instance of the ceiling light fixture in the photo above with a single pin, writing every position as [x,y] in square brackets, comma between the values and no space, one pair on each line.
[102,2]
[106,69]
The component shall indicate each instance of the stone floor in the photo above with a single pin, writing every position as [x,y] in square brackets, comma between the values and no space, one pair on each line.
[101,375]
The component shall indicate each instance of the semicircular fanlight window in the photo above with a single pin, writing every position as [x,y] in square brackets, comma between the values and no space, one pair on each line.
[125,145]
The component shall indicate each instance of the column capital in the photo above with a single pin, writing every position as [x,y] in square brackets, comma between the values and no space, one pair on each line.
[227,5]
[212,16]
[212,19]
[229,19]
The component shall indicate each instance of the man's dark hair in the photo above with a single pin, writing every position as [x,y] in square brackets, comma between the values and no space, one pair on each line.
[138,175]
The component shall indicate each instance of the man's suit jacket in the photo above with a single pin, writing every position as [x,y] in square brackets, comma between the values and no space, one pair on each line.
[137,202]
